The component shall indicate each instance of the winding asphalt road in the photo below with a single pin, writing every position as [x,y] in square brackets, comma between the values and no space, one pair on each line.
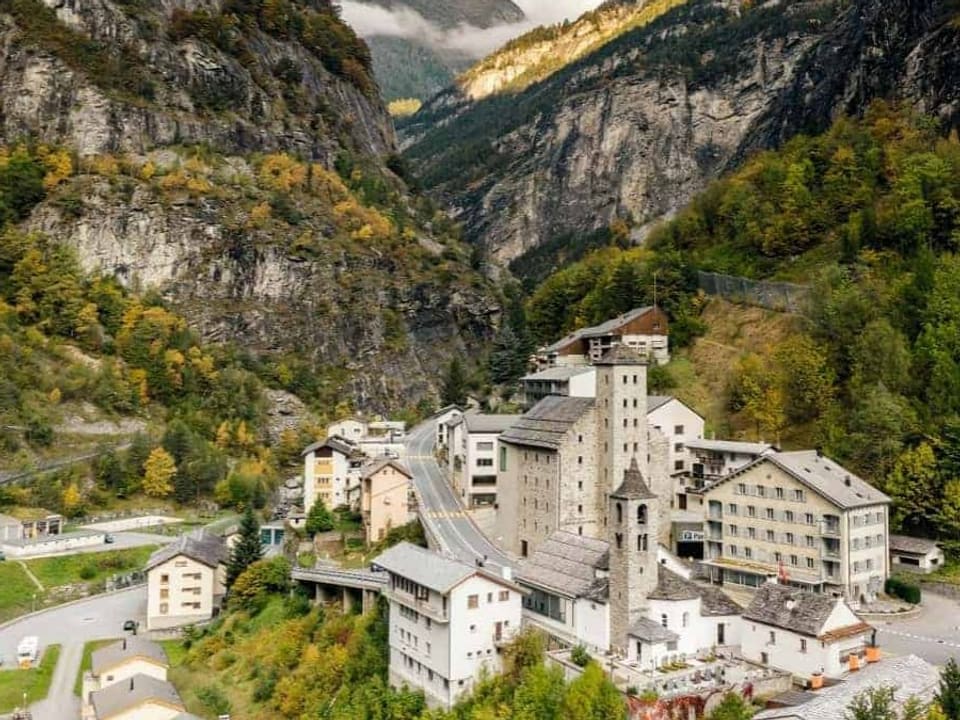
[98,618]
[440,509]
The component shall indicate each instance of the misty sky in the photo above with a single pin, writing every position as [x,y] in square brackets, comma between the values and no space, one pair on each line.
[370,20]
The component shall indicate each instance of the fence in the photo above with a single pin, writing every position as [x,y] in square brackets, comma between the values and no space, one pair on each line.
[778,296]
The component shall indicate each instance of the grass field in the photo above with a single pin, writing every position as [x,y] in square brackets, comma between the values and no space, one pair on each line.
[35,682]
[88,567]
[16,591]
[87,662]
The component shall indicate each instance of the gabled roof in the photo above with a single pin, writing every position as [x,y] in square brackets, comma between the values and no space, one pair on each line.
[793,609]
[378,465]
[484,423]
[129,648]
[908,675]
[129,694]
[655,402]
[567,564]
[334,442]
[912,545]
[651,631]
[825,477]
[605,328]
[547,422]
[202,547]
[430,569]
[730,446]
[633,486]
[713,601]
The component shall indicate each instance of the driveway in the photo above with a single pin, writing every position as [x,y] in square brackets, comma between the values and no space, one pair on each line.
[71,626]
[934,634]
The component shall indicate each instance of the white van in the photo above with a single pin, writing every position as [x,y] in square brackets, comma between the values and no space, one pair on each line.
[27,651]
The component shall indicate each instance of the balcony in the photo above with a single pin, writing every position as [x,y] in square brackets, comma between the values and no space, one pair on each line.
[831,551]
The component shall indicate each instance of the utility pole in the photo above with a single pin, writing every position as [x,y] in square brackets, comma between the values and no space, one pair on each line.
[655,287]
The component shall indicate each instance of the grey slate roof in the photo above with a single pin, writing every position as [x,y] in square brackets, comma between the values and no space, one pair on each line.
[567,564]
[424,567]
[202,547]
[730,446]
[605,328]
[622,355]
[378,465]
[334,442]
[561,372]
[713,601]
[129,694]
[633,486]
[132,647]
[546,423]
[908,675]
[651,631]
[654,402]
[827,478]
[911,545]
[483,423]
[808,613]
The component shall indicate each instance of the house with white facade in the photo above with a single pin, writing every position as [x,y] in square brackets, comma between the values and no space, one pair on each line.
[140,697]
[350,429]
[912,554]
[643,329]
[448,621]
[680,423]
[804,633]
[442,418]
[331,470]
[473,456]
[803,517]
[186,581]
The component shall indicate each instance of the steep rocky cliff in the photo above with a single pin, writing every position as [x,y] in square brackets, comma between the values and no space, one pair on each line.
[234,158]
[636,128]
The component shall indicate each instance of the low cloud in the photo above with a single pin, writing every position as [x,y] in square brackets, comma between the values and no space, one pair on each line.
[373,20]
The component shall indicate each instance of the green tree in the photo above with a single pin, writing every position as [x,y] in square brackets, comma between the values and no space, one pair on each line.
[591,696]
[454,391]
[948,695]
[875,703]
[732,707]
[508,359]
[319,519]
[248,548]
[913,486]
[109,472]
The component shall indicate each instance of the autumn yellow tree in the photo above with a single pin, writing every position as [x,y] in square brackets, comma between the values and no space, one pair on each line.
[71,500]
[158,472]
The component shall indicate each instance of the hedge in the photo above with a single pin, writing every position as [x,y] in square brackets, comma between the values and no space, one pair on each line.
[903,589]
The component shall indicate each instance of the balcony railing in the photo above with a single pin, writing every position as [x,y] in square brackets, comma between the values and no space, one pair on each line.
[831,529]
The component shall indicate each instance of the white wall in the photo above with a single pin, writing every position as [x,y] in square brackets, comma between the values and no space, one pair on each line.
[669,417]
[583,385]
[592,623]
[52,544]
[352,430]
[692,632]
[133,666]
[441,425]
[473,468]
[177,569]
[149,711]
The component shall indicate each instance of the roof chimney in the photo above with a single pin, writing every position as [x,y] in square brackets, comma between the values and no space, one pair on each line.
[131,684]
[846,480]
[791,604]
[124,643]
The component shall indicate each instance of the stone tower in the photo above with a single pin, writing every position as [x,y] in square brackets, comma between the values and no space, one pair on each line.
[621,418]
[633,530]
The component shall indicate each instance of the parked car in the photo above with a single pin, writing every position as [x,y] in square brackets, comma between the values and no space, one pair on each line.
[130,626]
[109,539]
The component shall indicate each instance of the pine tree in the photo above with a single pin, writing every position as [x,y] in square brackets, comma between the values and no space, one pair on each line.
[454,384]
[506,364]
[248,548]
[319,519]
[948,696]
[158,471]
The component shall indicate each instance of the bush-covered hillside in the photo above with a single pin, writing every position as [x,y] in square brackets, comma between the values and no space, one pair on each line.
[869,214]
[276,657]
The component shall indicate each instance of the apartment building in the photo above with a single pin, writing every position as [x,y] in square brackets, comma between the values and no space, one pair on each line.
[448,621]
[801,517]
[641,329]
[385,499]
[186,581]
[713,460]
[442,420]
[474,449]
[565,380]
[331,468]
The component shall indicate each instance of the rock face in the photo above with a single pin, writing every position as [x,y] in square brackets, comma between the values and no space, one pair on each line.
[372,326]
[638,127]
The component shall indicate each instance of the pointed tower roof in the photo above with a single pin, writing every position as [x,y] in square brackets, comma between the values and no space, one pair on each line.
[621,354]
[633,486]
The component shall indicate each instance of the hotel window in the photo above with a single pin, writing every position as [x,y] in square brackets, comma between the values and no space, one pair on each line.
[733,530]
[810,563]
[761,491]
[732,508]
[790,538]
[748,552]
[751,511]
[809,518]
[780,493]
[741,489]
[811,541]
[788,516]
[771,536]
[752,533]
[794,560]
[798,495]
[770,514]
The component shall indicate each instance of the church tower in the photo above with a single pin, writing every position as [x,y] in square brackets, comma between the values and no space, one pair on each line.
[622,430]
[633,530]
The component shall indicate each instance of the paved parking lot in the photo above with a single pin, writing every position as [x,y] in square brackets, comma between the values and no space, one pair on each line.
[934,634]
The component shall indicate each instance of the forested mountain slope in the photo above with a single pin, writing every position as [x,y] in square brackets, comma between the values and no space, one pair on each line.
[235,158]
[636,128]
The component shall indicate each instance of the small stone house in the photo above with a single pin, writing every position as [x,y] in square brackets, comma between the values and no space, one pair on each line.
[805,633]
[913,554]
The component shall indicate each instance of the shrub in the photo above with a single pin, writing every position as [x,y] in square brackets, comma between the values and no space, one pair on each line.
[903,589]
[214,699]
[580,656]
[88,572]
